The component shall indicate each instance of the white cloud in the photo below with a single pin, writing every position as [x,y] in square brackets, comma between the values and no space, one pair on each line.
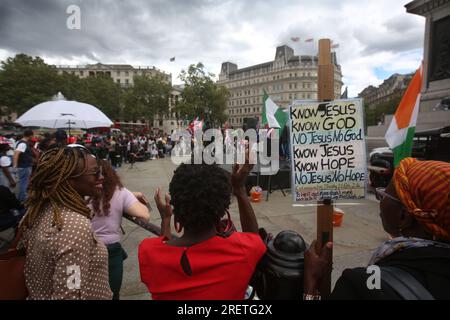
[372,34]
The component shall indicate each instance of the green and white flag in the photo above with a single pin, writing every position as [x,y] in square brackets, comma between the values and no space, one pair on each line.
[273,116]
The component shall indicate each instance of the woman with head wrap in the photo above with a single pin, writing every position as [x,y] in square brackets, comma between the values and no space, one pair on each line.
[415,211]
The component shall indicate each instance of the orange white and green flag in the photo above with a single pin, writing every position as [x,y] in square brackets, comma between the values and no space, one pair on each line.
[400,133]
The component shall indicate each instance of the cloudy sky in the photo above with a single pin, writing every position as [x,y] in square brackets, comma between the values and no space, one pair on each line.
[376,37]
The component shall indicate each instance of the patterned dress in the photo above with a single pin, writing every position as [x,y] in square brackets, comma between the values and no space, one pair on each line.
[66,264]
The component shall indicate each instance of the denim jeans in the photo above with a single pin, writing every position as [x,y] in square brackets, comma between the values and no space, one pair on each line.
[23,181]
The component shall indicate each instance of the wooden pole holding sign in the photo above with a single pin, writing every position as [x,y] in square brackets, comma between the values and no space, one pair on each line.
[325,207]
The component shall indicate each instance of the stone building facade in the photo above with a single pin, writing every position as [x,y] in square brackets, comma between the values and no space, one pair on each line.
[288,77]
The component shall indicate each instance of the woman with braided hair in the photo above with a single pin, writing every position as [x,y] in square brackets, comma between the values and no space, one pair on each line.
[64,259]
[415,212]
[208,261]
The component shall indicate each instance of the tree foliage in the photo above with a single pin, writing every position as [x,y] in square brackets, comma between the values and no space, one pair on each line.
[201,96]
[25,82]
[148,97]
[375,115]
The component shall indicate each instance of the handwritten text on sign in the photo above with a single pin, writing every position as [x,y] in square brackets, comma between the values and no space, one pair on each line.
[328,150]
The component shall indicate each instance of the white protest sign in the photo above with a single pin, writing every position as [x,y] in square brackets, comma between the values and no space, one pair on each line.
[328,150]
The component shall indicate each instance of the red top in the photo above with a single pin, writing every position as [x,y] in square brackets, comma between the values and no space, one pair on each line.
[221,267]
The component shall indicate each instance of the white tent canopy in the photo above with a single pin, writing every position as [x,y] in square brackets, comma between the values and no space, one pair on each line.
[64,114]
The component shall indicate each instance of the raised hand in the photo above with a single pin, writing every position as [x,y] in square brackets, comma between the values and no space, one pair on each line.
[316,265]
[165,209]
[240,173]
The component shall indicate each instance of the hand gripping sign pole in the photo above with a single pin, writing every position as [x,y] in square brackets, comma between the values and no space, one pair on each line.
[325,207]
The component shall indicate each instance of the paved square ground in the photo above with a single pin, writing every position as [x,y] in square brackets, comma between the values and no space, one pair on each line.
[354,241]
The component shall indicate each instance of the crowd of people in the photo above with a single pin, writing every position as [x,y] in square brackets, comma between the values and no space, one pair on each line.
[69,204]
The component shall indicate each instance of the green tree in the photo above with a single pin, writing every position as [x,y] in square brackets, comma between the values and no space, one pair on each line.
[99,91]
[148,97]
[102,92]
[376,114]
[25,82]
[201,96]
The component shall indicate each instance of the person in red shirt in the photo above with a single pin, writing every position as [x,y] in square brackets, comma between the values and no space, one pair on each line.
[206,262]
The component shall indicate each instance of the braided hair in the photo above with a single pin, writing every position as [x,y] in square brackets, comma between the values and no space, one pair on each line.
[50,185]
[200,195]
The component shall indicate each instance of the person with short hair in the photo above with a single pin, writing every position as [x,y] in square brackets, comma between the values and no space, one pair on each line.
[415,212]
[23,163]
[209,261]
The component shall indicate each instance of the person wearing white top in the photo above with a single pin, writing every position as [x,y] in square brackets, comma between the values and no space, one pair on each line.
[6,176]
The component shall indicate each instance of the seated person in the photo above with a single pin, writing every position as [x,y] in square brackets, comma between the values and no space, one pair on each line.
[154,152]
[141,154]
[208,261]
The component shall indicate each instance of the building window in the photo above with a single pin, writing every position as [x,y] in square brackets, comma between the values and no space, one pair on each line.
[81,73]
[126,81]
[118,80]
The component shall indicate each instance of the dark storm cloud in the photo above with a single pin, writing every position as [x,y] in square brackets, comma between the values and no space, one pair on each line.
[150,32]
[108,28]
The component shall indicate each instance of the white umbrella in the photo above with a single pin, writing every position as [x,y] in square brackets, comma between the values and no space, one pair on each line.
[64,114]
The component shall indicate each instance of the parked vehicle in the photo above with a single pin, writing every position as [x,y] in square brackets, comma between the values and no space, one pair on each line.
[431,144]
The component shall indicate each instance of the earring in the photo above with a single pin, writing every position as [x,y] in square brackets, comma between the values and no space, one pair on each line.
[178,227]
[229,223]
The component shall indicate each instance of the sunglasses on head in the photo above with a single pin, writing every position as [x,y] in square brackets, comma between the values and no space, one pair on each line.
[97,172]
